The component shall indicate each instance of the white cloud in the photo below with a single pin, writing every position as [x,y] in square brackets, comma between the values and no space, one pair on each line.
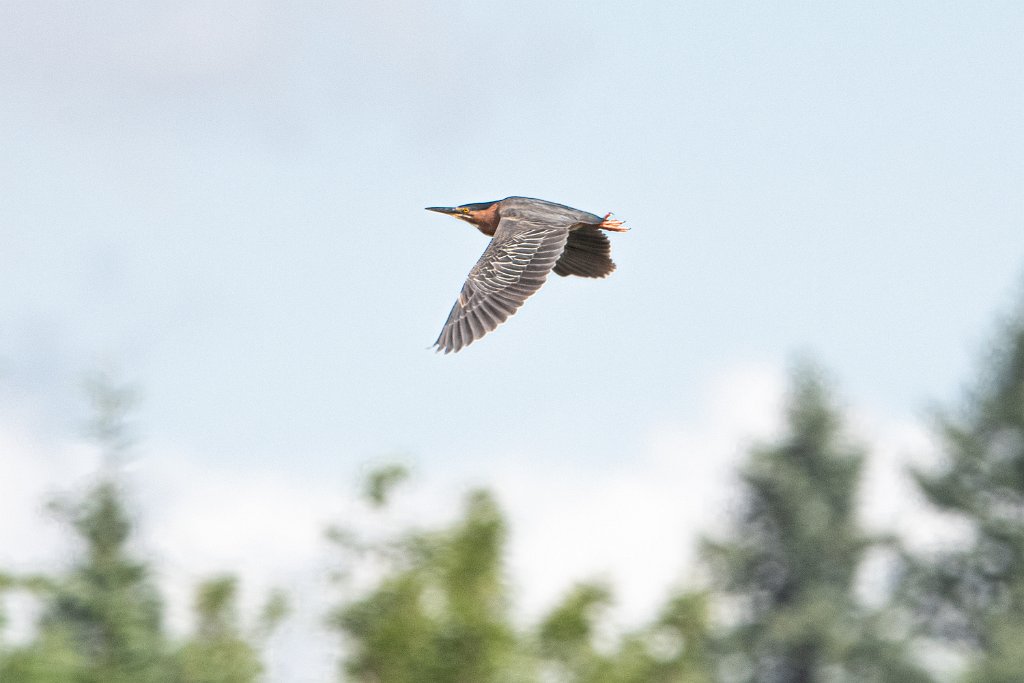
[636,521]
[890,502]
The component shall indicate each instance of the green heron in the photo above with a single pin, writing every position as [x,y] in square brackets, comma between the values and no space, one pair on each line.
[529,238]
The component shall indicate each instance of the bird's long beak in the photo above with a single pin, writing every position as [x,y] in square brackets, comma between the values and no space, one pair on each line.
[442,209]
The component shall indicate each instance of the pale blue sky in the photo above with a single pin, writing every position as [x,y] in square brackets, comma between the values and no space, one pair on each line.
[225,199]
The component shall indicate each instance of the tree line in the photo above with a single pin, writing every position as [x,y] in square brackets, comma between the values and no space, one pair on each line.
[779,604]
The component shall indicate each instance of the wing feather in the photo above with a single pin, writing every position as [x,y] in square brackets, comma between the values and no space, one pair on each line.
[512,268]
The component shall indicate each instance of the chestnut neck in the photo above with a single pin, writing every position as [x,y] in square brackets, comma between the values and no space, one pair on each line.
[486,219]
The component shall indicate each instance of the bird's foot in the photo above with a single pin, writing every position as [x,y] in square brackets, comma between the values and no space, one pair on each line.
[609,223]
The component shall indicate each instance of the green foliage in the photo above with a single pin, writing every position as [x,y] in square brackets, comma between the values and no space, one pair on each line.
[789,567]
[566,635]
[275,610]
[974,594]
[51,658]
[441,611]
[674,649]
[569,627]
[678,645]
[382,481]
[217,652]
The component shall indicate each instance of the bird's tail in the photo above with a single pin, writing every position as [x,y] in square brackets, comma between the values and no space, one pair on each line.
[587,253]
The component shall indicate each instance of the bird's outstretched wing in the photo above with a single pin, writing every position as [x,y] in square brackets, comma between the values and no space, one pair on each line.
[514,266]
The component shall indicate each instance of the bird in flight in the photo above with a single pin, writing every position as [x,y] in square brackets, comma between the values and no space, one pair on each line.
[529,239]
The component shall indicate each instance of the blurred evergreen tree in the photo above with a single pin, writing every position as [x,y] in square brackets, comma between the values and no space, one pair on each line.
[787,573]
[973,594]
[101,621]
[440,612]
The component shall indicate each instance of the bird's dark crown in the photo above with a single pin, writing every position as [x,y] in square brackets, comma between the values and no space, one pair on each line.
[476,206]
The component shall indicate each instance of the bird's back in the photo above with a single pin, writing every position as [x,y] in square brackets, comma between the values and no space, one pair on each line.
[543,211]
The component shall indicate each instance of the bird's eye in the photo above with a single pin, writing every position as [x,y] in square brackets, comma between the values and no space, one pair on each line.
[464,210]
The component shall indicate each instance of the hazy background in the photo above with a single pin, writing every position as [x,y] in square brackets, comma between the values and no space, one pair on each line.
[224,200]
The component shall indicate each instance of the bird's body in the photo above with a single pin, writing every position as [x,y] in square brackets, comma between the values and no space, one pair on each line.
[529,239]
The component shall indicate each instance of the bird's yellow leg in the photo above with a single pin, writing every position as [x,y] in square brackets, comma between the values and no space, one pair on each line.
[609,223]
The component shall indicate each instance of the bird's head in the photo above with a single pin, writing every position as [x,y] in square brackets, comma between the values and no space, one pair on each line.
[482,215]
